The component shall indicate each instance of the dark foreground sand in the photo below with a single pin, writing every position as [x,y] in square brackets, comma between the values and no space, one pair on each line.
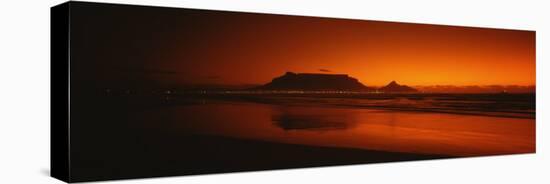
[198,154]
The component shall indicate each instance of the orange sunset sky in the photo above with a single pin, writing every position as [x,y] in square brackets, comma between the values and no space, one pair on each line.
[376,53]
[207,47]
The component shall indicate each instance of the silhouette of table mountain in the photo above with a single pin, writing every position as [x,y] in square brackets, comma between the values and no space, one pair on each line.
[314,81]
[393,87]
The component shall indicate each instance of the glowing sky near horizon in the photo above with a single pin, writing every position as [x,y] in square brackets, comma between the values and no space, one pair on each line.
[210,47]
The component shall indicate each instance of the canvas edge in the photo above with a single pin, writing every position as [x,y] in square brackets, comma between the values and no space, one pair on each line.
[59,91]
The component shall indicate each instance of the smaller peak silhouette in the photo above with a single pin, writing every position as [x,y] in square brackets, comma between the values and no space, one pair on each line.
[394,87]
[393,83]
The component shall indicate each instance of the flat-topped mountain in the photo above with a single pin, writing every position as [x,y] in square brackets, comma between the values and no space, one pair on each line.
[393,87]
[314,81]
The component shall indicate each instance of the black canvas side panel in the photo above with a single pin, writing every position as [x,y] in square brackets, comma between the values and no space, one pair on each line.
[60,157]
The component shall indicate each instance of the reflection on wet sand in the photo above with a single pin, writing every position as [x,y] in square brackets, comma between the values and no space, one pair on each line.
[386,130]
[316,119]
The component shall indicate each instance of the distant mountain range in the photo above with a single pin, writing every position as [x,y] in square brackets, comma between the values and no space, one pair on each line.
[316,81]
[343,82]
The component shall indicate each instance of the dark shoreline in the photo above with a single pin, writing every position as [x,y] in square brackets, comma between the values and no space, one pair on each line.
[113,140]
[204,154]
